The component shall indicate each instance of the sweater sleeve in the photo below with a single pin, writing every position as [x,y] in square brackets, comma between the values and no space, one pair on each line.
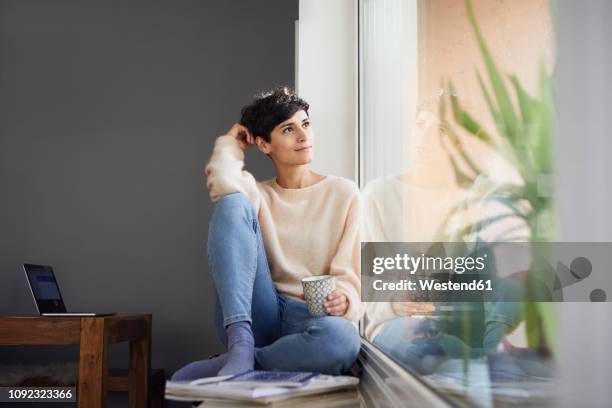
[346,264]
[225,174]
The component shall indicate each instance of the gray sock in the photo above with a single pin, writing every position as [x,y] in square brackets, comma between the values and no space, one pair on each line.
[201,369]
[240,349]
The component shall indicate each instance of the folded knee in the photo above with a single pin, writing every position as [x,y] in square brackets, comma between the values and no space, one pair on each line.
[232,206]
[338,343]
[239,200]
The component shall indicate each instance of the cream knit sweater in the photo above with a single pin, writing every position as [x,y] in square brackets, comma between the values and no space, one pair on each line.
[306,231]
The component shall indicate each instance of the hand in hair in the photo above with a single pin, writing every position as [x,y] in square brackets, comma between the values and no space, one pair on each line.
[242,135]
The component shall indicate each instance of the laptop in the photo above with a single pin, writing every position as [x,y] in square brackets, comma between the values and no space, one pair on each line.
[45,290]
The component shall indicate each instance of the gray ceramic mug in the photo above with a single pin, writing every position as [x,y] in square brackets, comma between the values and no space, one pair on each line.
[316,290]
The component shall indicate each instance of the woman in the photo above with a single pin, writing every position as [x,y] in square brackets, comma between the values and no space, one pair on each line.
[264,237]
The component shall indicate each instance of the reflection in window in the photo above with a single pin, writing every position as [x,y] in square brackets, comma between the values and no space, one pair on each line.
[446,158]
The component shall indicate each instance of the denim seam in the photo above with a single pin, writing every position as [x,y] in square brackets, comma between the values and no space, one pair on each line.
[243,316]
[253,271]
[282,308]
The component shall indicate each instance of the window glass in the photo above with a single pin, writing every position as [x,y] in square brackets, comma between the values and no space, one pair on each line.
[451,152]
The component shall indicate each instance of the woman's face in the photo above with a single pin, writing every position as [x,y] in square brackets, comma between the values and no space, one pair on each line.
[291,141]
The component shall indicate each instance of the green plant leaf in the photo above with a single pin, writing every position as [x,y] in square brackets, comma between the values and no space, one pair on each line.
[532,324]
[466,120]
[527,132]
[546,120]
[526,102]
[456,141]
[497,117]
[442,105]
[462,179]
[502,96]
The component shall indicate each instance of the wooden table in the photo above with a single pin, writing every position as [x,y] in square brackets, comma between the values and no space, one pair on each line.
[93,335]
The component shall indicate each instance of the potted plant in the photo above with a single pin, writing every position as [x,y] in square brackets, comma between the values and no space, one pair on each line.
[523,136]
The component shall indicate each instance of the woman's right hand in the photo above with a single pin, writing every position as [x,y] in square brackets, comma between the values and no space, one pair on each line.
[242,135]
[408,309]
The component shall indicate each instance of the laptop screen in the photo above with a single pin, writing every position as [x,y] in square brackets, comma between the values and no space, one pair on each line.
[44,288]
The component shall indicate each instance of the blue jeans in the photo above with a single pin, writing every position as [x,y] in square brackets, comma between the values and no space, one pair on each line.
[418,344]
[286,336]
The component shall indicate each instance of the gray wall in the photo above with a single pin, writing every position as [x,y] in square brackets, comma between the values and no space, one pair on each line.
[108,112]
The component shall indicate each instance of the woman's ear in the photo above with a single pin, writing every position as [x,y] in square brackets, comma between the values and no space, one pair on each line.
[262,145]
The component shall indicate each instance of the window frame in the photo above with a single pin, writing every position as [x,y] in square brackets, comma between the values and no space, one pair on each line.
[376,367]
[385,383]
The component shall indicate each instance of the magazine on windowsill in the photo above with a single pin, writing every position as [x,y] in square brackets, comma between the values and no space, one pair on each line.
[258,386]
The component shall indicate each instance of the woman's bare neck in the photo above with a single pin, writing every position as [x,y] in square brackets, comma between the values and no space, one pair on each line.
[297,177]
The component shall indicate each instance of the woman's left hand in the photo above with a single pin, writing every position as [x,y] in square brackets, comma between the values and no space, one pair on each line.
[336,304]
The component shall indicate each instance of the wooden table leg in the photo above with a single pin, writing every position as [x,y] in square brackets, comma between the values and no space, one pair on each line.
[140,369]
[93,368]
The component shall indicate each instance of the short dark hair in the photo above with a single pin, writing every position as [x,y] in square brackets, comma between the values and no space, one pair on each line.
[270,108]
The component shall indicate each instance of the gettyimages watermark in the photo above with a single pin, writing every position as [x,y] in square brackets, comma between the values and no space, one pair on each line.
[486,271]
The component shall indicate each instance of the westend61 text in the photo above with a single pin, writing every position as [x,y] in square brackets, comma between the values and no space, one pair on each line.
[430,284]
